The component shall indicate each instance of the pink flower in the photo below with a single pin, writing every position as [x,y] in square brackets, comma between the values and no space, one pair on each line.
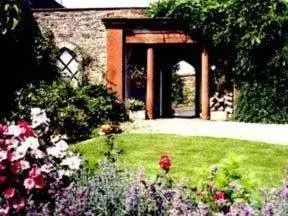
[3,155]
[4,210]
[9,193]
[27,131]
[2,166]
[3,129]
[29,183]
[18,204]
[2,179]
[34,172]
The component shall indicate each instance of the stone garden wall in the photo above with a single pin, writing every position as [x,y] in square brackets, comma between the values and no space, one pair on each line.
[84,30]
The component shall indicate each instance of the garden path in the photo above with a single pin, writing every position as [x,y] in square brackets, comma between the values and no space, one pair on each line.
[269,133]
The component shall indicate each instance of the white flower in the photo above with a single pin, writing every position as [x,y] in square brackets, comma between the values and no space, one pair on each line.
[13,143]
[46,168]
[20,152]
[24,165]
[14,130]
[3,155]
[55,138]
[31,142]
[37,153]
[62,145]
[35,111]
[55,152]
[73,162]
[38,117]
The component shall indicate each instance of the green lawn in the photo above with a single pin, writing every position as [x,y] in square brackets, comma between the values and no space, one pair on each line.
[267,162]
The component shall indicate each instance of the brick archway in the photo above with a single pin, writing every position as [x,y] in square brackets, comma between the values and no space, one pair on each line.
[122,32]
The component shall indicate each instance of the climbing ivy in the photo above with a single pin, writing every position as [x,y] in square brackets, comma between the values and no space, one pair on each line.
[253,36]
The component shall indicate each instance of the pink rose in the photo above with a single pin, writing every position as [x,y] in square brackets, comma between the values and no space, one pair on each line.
[9,193]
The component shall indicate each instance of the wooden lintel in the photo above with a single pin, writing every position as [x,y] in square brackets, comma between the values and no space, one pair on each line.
[159,38]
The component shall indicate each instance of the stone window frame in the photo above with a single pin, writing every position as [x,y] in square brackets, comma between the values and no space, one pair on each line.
[74,50]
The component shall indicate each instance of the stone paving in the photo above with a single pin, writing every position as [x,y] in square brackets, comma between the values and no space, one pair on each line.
[269,133]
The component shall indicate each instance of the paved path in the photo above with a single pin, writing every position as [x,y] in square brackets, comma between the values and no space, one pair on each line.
[269,133]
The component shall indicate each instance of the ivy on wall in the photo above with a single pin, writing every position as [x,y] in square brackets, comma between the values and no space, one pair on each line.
[253,35]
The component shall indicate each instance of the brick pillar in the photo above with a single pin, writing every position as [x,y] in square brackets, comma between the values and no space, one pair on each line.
[150,97]
[115,66]
[205,106]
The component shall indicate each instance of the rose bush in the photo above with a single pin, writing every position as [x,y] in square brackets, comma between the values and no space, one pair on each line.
[33,165]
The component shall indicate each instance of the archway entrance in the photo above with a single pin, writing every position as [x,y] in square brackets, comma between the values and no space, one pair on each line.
[157,46]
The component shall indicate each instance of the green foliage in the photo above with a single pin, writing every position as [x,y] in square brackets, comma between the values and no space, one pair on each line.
[44,52]
[74,111]
[134,105]
[253,36]
[177,93]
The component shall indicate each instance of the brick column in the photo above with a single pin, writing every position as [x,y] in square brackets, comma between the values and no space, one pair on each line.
[115,66]
[150,97]
[205,106]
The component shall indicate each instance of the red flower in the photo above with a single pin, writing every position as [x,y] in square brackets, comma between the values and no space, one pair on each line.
[2,167]
[9,193]
[34,172]
[2,179]
[3,129]
[165,162]
[26,128]
[16,167]
[219,196]
[18,204]
[39,182]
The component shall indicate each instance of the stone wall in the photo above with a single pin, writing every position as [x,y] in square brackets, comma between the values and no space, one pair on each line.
[84,29]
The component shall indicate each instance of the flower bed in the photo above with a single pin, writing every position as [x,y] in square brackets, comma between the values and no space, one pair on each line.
[33,166]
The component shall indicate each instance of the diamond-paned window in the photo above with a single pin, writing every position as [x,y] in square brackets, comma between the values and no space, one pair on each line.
[69,66]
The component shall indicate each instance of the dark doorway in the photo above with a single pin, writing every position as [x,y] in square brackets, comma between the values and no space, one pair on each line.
[179,78]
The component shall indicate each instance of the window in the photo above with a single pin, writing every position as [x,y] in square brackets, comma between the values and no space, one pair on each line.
[69,66]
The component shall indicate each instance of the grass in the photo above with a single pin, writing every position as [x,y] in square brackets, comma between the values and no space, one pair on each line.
[266,162]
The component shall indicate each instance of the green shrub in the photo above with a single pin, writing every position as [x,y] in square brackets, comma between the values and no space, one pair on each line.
[134,105]
[74,111]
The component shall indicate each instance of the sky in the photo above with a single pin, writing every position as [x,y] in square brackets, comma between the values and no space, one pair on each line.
[104,3]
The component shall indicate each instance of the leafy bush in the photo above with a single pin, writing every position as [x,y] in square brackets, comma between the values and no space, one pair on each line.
[226,185]
[134,105]
[73,111]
